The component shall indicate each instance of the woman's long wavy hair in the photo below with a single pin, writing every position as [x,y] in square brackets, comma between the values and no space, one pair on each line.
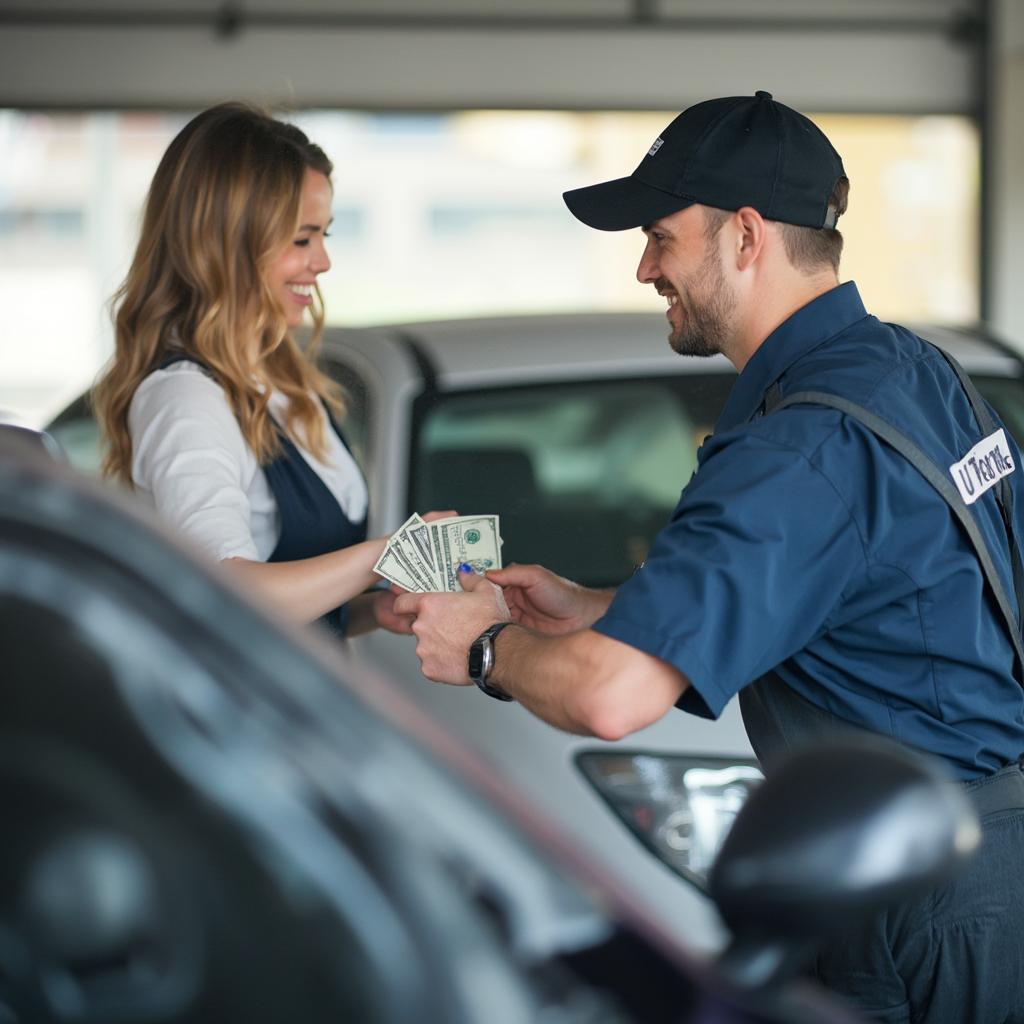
[223,203]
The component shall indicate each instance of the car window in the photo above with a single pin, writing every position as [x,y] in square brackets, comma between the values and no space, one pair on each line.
[78,434]
[583,474]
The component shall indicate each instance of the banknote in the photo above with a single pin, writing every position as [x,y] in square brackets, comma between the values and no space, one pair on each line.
[424,557]
[469,540]
[390,567]
[413,539]
[400,565]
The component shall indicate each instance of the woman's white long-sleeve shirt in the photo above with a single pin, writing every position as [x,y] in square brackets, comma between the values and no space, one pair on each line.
[191,462]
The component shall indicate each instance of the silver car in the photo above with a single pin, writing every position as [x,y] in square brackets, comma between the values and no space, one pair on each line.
[579,431]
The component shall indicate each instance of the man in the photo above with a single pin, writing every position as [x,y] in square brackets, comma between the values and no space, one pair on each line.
[811,566]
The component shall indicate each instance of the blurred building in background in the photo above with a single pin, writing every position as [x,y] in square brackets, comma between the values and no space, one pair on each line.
[444,215]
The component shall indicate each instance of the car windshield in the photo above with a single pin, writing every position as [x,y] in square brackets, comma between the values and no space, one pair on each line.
[583,474]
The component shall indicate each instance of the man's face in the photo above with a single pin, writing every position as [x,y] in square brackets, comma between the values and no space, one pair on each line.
[686,267]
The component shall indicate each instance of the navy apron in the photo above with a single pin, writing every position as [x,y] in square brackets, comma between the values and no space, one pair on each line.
[312,521]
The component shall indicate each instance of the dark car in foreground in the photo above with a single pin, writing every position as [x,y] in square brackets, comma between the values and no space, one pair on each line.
[209,818]
[579,430]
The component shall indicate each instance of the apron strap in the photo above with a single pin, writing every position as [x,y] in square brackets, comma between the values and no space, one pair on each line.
[927,468]
[1004,492]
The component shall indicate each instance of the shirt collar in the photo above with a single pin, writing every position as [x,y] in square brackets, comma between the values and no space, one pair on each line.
[810,326]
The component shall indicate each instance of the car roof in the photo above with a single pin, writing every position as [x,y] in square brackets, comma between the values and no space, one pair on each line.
[524,348]
[976,347]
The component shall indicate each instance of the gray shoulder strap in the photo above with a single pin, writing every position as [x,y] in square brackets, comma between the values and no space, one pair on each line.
[927,468]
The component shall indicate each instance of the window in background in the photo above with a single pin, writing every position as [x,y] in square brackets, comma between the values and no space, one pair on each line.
[71,188]
[442,215]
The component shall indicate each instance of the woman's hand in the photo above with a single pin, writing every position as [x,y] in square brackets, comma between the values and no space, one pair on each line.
[384,614]
[429,517]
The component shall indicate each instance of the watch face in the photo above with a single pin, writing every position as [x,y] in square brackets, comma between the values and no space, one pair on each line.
[476,658]
[481,661]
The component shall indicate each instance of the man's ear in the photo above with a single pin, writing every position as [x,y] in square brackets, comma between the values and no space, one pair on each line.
[749,236]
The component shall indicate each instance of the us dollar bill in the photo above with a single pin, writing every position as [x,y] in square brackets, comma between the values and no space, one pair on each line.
[465,540]
[397,566]
[413,540]
[391,568]
[424,557]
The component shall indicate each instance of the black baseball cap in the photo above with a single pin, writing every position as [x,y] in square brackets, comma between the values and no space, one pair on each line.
[730,152]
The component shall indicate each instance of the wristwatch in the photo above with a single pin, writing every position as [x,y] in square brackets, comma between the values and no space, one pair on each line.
[481,660]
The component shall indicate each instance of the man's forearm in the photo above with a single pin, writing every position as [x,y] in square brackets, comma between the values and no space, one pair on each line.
[541,673]
[584,683]
[578,680]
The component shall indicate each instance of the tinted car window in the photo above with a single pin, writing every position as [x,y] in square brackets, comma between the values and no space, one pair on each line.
[78,435]
[583,474]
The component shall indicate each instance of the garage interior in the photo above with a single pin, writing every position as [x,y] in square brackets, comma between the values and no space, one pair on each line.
[578,75]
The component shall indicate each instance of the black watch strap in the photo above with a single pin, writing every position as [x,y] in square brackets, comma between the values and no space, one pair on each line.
[481,661]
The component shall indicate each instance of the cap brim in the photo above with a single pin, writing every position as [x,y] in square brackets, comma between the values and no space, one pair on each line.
[622,203]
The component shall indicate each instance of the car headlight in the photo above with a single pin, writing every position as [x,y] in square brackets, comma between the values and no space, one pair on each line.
[680,807]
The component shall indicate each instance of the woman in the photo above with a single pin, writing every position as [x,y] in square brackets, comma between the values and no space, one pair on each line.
[210,408]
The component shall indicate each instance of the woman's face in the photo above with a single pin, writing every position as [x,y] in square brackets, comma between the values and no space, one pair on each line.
[293,272]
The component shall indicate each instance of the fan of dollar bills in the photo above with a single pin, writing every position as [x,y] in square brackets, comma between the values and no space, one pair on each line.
[424,557]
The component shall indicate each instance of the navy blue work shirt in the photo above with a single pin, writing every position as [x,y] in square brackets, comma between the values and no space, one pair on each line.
[805,545]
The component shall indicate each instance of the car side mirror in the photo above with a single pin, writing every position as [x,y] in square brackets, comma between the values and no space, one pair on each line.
[833,835]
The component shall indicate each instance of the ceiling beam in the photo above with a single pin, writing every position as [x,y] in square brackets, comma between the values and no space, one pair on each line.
[188,60]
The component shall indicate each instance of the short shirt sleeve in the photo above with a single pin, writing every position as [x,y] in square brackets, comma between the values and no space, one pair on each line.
[191,460]
[745,574]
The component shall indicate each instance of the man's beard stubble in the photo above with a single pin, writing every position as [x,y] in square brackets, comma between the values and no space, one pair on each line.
[707,305]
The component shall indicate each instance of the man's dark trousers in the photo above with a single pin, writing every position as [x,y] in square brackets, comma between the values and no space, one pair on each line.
[957,956]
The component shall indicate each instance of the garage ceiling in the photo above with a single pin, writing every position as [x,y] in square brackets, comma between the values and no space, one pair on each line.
[918,12]
[838,55]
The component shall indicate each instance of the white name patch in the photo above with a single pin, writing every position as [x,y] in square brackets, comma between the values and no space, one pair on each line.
[982,467]
[658,143]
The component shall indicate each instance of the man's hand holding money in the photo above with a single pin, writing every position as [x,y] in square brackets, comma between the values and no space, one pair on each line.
[447,623]
[423,556]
